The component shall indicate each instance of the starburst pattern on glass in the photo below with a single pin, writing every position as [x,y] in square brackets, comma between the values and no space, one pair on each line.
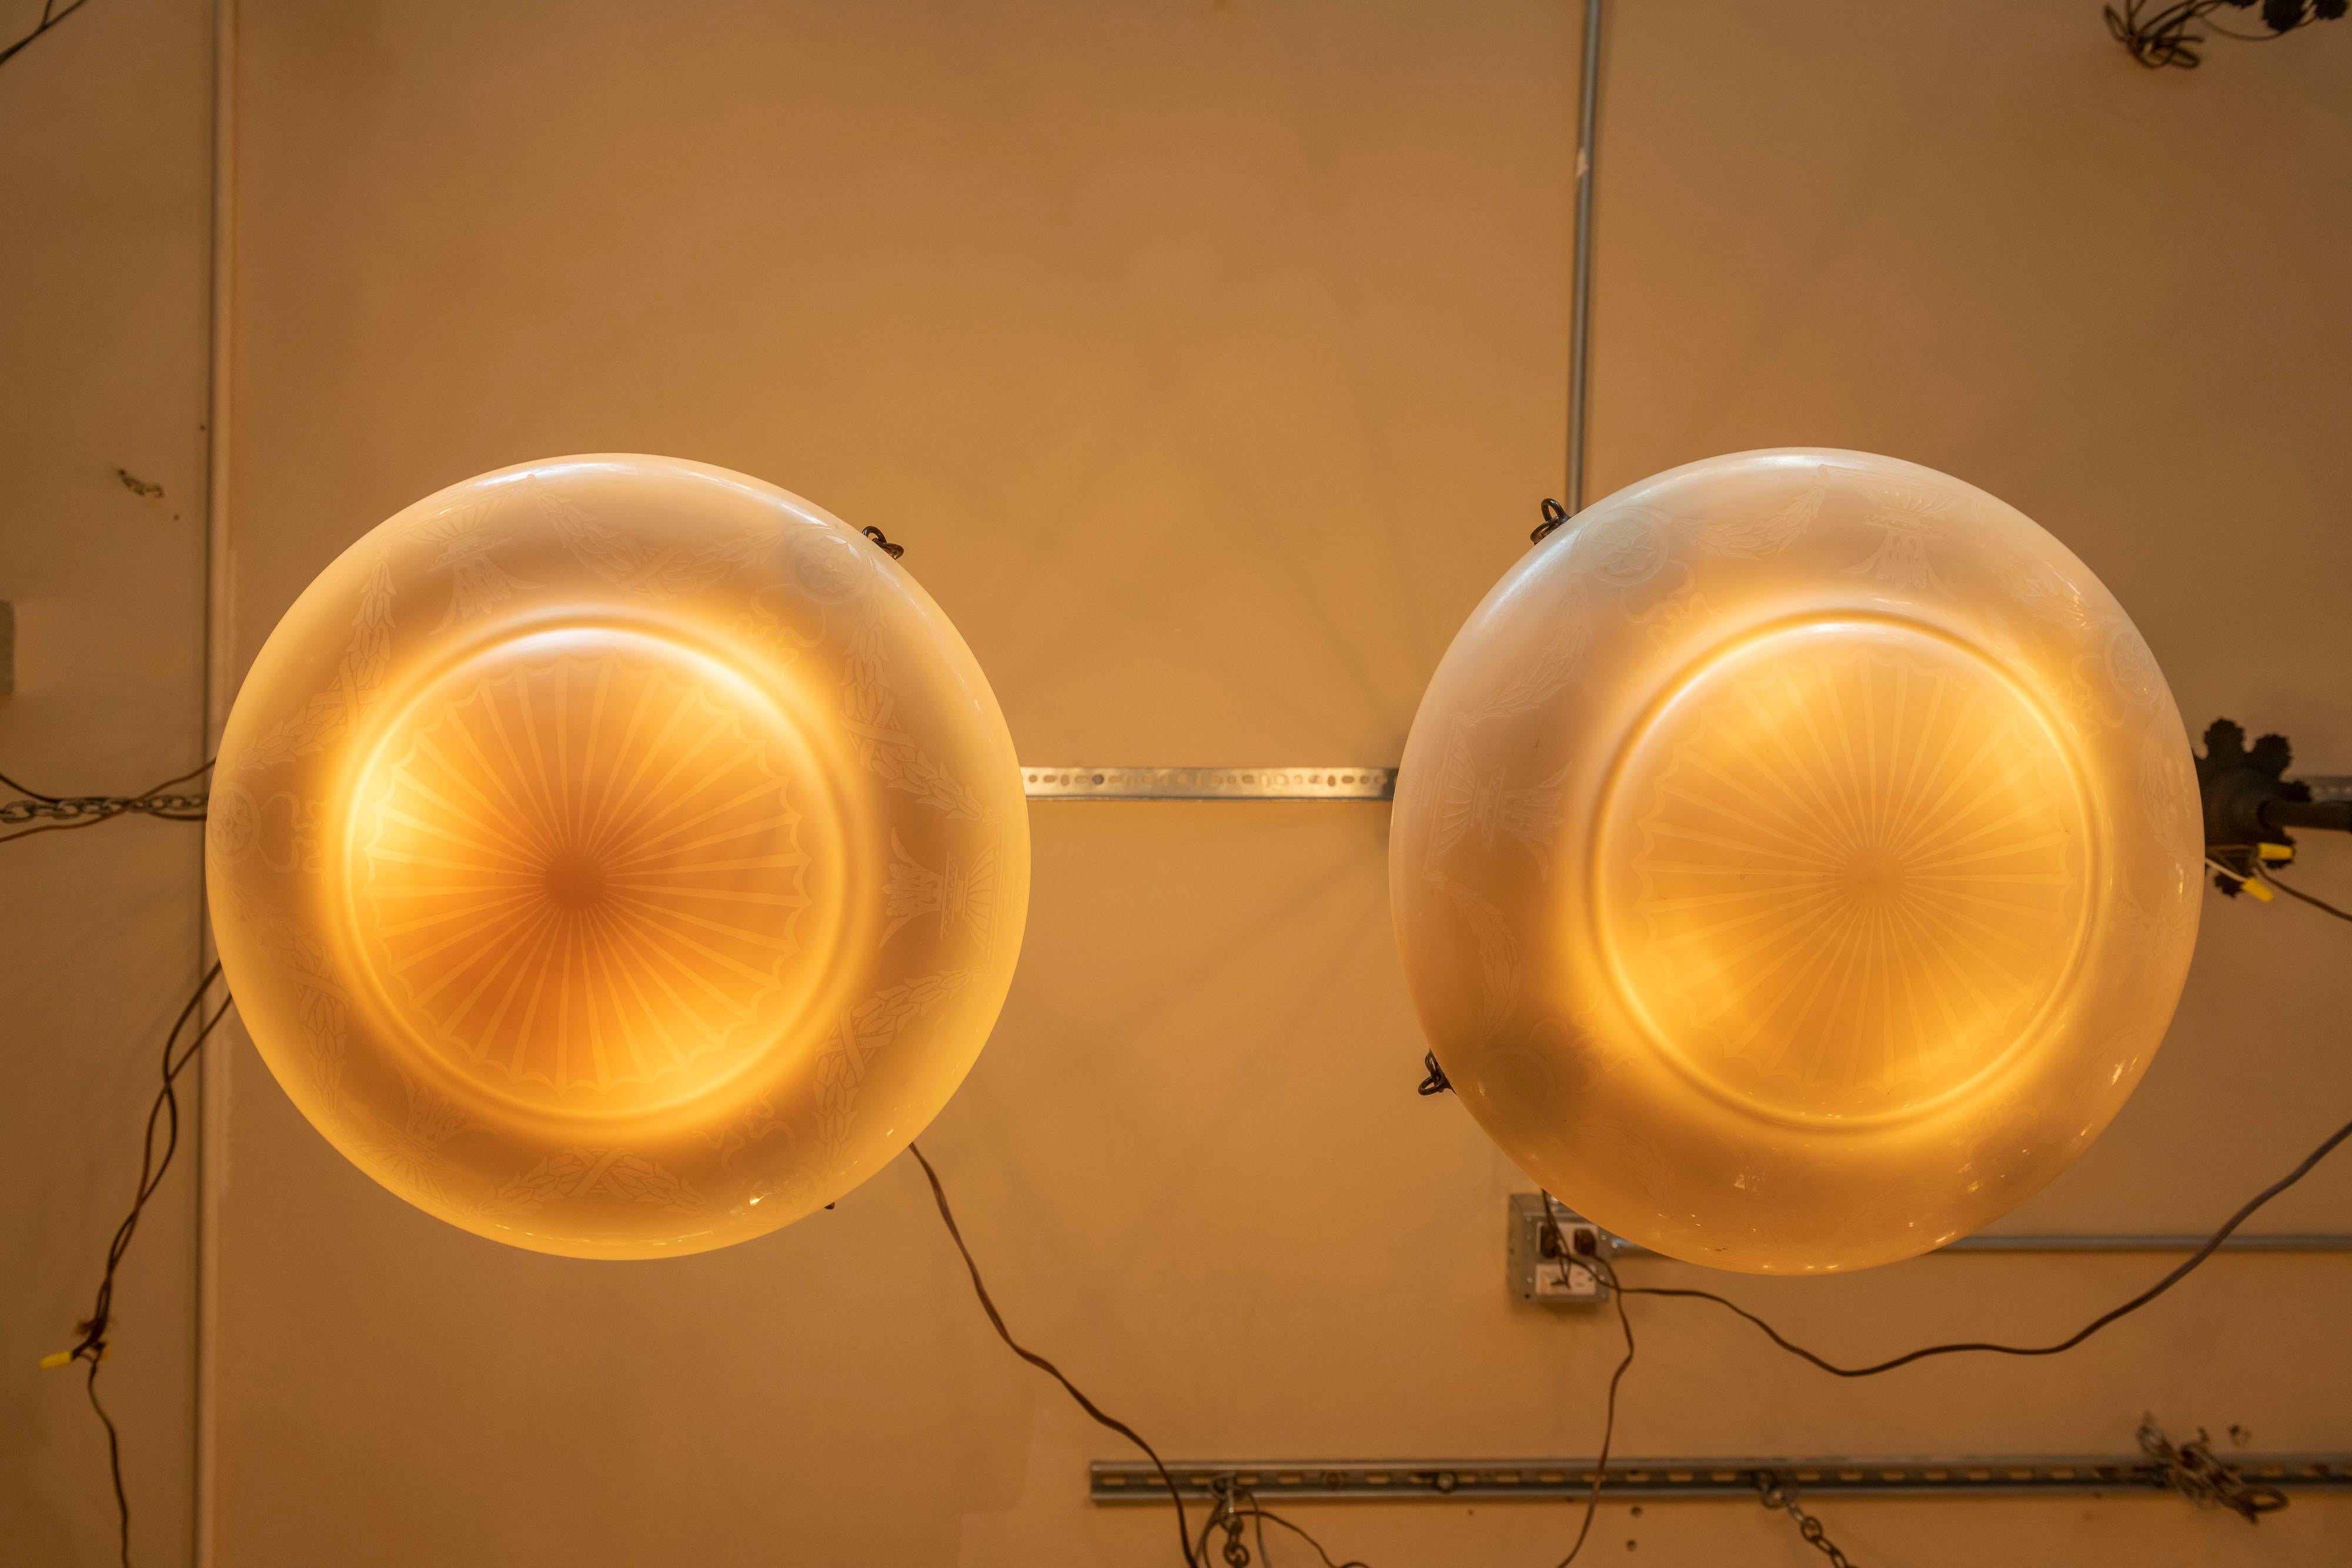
[582,871]
[1855,856]
[1794,860]
[619,857]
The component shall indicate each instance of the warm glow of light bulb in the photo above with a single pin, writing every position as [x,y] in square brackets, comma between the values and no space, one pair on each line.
[617,856]
[1795,860]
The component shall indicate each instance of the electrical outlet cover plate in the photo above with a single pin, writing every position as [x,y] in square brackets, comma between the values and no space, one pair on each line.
[1538,1272]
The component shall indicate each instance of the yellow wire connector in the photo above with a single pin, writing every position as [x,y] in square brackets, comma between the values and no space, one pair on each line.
[2243,881]
[2275,851]
[62,1358]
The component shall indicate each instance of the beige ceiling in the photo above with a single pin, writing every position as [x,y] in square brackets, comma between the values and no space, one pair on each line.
[1210,360]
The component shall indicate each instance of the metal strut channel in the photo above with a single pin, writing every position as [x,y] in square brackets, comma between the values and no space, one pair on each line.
[1302,781]
[1456,1480]
[1308,781]
[1580,326]
[1295,781]
[2125,1242]
[1527,1216]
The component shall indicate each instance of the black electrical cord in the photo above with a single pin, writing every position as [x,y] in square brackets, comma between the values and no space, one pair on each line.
[50,17]
[90,1344]
[2165,38]
[1245,1506]
[77,811]
[996,1320]
[27,790]
[1608,1277]
[1619,1290]
[1774,1492]
[2212,1244]
[55,828]
[1266,1517]
[2318,903]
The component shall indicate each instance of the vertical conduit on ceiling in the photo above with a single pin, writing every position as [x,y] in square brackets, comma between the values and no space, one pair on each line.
[1581,275]
[219,686]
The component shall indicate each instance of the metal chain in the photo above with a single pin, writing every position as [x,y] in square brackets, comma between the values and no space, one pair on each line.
[78,807]
[1225,1514]
[2191,1471]
[1774,1492]
[1435,1081]
[1554,515]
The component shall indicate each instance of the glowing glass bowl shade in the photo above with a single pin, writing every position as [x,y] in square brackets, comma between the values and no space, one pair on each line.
[616,856]
[1796,861]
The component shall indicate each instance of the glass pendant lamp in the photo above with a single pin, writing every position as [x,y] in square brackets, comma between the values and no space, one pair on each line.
[1796,859]
[617,856]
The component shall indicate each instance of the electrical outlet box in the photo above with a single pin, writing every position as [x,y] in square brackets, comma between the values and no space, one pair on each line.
[1543,1272]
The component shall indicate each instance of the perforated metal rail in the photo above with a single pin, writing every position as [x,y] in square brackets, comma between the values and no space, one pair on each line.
[1458,1481]
[1304,781]
[1307,781]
